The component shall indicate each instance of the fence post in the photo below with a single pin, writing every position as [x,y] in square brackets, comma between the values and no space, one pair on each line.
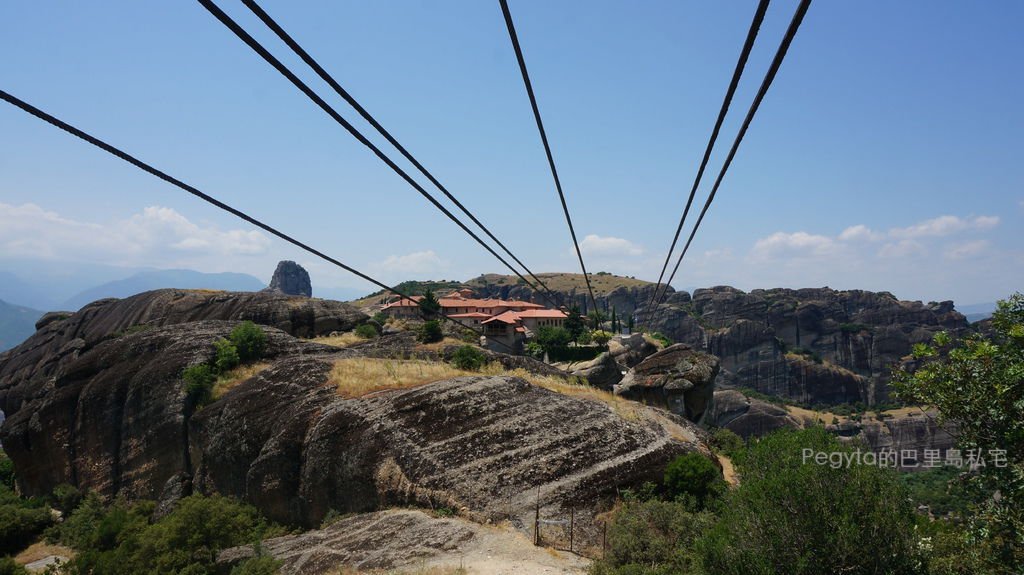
[572,525]
[536,520]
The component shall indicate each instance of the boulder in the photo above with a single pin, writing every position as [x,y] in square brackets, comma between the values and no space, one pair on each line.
[630,350]
[749,417]
[290,279]
[602,372]
[678,378]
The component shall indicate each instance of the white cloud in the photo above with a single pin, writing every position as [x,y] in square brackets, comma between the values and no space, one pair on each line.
[859,232]
[425,262]
[944,226]
[902,249]
[966,249]
[598,246]
[157,235]
[793,245]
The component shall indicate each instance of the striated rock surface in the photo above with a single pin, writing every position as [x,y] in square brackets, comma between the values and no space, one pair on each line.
[757,335]
[630,350]
[92,403]
[678,378]
[290,279]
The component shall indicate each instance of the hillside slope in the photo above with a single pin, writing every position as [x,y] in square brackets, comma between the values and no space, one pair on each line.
[16,324]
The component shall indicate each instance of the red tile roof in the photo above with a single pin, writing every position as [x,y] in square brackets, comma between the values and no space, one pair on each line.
[543,313]
[473,315]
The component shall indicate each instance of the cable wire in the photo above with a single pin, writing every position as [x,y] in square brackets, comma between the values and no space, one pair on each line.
[544,139]
[741,63]
[780,55]
[207,198]
[305,89]
[330,80]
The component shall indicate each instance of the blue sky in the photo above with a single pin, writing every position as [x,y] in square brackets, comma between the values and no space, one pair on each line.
[886,156]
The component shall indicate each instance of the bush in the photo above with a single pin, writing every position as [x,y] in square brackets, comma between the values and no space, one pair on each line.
[199,380]
[6,471]
[259,565]
[660,337]
[380,318]
[534,350]
[430,332]
[65,498]
[469,358]
[652,537]
[20,525]
[249,340]
[726,442]
[601,337]
[802,519]
[366,331]
[694,477]
[121,540]
[227,356]
[9,567]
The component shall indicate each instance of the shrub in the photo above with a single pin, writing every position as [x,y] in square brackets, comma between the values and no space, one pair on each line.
[121,540]
[534,350]
[6,471]
[726,442]
[65,498]
[601,337]
[20,525]
[585,338]
[802,519]
[259,565]
[693,476]
[658,336]
[9,567]
[648,537]
[250,341]
[468,358]
[430,332]
[366,331]
[380,318]
[227,356]
[199,380]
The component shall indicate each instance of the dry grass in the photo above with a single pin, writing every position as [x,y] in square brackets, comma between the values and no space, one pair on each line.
[227,381]
[42,550]
[358,376]
[655,342]
[345,339]
[439,345]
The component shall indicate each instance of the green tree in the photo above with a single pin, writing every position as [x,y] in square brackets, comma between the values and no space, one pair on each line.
[249,340]
[20,525]
[615,322]
[574,324]
[430,331]
[693,476]
[791,515]
[630,323]
[9,567]
[597,319]
[979,384]
[430,307]
[550,338]
[600,336]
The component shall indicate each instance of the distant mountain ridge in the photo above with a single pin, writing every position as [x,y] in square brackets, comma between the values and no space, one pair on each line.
[16,324]
[157,279]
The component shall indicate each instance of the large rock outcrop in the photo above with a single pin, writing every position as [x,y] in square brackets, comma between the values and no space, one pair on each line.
[678,378]
[290,279]
[769,339]
[93,402]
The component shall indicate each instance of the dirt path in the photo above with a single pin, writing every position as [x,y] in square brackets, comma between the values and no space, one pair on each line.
[728,471]
[501,550]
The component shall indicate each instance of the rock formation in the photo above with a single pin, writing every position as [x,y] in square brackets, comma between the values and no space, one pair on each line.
[290,279]
[603,372]
[94,401]
[678,378]
[816,346]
